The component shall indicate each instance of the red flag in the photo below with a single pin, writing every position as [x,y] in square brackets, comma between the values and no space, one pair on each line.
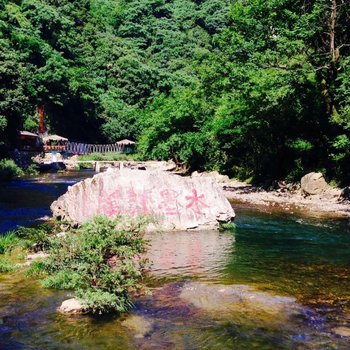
[41,119]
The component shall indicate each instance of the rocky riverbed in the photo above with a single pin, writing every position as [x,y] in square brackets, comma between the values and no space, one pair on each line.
[311,196]
[285,200]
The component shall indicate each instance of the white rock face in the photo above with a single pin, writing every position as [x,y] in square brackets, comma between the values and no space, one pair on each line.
[71,306]
[178,203]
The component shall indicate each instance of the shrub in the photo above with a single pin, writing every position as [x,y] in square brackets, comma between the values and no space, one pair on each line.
[32,169]
[9,170]
[36,239]
[101,261]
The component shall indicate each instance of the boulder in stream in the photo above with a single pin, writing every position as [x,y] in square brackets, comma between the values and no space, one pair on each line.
[71,306]
[176,203]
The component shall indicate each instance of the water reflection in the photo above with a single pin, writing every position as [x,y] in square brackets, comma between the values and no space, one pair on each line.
[201,254]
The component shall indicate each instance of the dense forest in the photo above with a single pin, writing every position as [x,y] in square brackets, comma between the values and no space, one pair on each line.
[257,89]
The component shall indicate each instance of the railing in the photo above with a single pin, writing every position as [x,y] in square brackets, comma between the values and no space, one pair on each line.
[83,148]
[54,148]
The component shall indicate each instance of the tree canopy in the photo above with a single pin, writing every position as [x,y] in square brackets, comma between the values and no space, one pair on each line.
[256,89]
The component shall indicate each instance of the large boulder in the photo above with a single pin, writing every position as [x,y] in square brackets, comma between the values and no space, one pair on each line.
[314,183]
[177,203]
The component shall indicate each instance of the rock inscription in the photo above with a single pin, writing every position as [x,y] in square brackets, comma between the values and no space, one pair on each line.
[177,202]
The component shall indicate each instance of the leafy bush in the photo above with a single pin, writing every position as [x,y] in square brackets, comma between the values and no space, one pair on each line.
[101,261]
[36,239]
[9,170]
[32,169]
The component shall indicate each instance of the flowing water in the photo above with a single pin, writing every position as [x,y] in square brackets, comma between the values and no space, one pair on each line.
[278,282]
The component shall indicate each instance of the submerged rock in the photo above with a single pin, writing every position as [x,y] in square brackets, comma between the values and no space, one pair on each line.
[139,325]
[240,303]
[71,306]
[342,331]
[177,203]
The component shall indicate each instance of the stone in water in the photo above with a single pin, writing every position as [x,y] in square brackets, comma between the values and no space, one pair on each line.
[177,203]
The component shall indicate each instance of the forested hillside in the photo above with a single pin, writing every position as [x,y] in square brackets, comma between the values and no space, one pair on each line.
[253,88]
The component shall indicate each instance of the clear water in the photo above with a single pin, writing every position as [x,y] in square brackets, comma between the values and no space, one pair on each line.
[24,202]
[278,254]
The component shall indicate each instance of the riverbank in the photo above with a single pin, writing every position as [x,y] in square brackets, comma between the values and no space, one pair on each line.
[285,200]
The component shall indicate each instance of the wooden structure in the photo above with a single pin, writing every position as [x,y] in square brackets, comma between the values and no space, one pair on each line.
[28,141]
[129,146]
[54,143]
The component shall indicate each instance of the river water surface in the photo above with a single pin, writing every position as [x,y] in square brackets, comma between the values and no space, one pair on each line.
[278,282]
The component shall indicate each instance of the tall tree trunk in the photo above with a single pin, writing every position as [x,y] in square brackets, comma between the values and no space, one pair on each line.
[334,58]
[333,21]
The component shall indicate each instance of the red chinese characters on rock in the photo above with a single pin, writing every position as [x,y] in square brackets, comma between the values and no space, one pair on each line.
[137,203]
[169,204]
[196,203]
[144,197]
[131,203]
[110,204]
[127,202]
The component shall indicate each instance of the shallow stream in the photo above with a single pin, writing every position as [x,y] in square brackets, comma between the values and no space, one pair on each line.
[278,282]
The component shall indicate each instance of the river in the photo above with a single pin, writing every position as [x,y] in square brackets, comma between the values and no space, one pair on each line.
[278,282]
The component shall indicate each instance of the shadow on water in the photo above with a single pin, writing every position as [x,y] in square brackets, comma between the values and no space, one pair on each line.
[277,282]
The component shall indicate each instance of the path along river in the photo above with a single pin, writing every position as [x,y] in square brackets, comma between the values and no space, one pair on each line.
[278,282]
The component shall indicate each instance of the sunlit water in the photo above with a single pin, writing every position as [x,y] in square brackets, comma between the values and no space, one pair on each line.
[305,261]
